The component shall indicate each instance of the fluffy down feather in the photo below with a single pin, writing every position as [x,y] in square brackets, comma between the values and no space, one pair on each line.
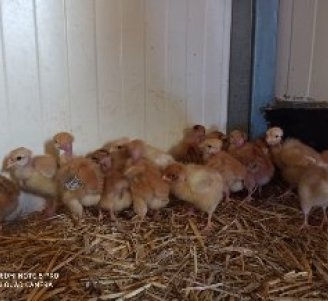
[81,184]
[116,193]
[148,189]
[313,190]
[199,185]
[290,156]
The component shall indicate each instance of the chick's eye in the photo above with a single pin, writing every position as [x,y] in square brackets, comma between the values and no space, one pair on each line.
[19,158]
[209,146]
[171,176]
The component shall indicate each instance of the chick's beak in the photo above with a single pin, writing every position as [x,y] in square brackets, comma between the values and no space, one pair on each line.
[9,164]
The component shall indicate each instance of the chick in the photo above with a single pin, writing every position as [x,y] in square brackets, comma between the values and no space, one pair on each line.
[35,174]
[116,145]
[64,144]
[217,135]
[116,195]
[97,155]
[290,156]
[236,139]
[324,156]
[254,155]
[187,150]
[313,191]
[148,189]
[16,204]
[9,193]
[233,172]
[80,183]
[139,149]
[199,185]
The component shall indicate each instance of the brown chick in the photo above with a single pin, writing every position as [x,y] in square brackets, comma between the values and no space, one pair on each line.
[199,185]
[36,175]
[313,191]
[324,156]
[97,155]
[9,193]
[64,144]
[139,149]
[16,204]
[148,189]
[80,184]
[116,195]
[290,156]
[118,158]
[233,172]
[236,139]
[253,155]
[116,145]
[187,151]
[216,135]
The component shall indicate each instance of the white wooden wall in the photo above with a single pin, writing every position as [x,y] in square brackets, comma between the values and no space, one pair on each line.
[103,69]
[302,69]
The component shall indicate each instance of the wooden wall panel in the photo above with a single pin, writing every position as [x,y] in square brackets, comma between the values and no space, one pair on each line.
[133,67]
[302,66]
[156,18]
[84,98]
[318,86]
[109,68]
[21,68]
[4,110]
[51,35]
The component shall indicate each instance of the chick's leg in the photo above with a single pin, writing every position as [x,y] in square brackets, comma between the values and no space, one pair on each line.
[112,215]
[325,218]
[209,225]
[75,207]
[100,215]
[305,224]
[139,207]
[50,209]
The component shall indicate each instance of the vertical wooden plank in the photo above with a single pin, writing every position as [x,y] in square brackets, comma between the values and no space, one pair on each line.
[53,69]
[216,73]
[301,48]
[225,66]
[156,71]
[285,20]
[195,60]
[264,62]
[176,88]
[4,116]
[109,67]
[22,74]
[318,87]
[82,72]
[133,68]
[240,77]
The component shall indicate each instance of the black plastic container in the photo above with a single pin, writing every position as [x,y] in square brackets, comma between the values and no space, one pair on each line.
[303,120]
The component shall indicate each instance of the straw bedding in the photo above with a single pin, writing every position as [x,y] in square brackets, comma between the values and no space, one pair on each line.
[255,252]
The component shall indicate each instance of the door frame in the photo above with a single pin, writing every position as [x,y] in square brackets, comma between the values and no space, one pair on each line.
[253,54]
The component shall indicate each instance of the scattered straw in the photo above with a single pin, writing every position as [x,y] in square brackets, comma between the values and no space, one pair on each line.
[254,252]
